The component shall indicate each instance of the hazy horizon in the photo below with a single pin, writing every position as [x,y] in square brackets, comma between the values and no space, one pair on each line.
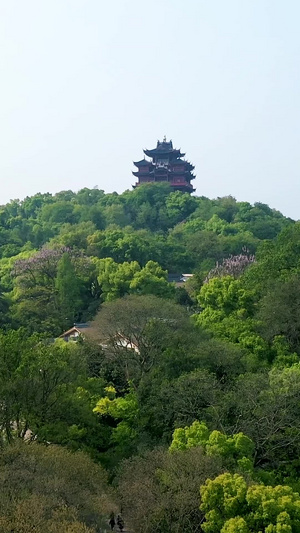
[87,85]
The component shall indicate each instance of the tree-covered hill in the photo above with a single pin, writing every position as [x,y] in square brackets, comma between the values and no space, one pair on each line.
[33,222]
[188,397]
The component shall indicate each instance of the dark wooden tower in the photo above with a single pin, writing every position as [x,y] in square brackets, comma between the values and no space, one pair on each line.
[166,164]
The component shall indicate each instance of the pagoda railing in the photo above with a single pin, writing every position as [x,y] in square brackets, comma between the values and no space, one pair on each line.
[181,184]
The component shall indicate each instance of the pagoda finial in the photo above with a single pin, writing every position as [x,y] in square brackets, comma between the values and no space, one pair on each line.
[165,139]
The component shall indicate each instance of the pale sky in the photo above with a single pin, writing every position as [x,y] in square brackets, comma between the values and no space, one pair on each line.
[86,85]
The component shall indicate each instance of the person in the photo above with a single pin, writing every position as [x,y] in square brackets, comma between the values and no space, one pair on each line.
[112,521]
[120,522]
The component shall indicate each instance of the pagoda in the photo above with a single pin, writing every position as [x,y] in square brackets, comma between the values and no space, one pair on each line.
[166,164]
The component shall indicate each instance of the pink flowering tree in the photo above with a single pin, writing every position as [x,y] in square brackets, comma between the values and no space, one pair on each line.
[234,265]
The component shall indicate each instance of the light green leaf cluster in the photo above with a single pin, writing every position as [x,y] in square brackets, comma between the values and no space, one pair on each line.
[217,225]
[225,294]
[114,279]
[117,280]
[122,409]
[230,505]
[195,435]
[151,279]
[227,307]
[238,447]
[222,498]
[235,525]
[285,381]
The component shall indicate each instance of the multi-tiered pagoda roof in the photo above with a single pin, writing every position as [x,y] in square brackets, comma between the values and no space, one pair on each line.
[166,164]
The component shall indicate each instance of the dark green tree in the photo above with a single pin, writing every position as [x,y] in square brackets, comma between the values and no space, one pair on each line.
[68,287]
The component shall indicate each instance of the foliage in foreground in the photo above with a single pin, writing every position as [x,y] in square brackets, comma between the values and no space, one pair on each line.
[49,489]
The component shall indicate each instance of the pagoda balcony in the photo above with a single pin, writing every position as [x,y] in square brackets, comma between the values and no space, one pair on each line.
[161,165]
[181,183]
[145,179]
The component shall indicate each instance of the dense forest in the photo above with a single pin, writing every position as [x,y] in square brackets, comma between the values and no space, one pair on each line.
[179,410]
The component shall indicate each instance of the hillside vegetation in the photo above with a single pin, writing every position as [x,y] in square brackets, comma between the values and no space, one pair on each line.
[188,397]
[111,243]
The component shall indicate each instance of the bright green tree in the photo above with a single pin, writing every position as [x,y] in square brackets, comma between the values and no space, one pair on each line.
[238,447]
[230,506]
[124,411]
[115,279]
[152,279]
[227,310]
